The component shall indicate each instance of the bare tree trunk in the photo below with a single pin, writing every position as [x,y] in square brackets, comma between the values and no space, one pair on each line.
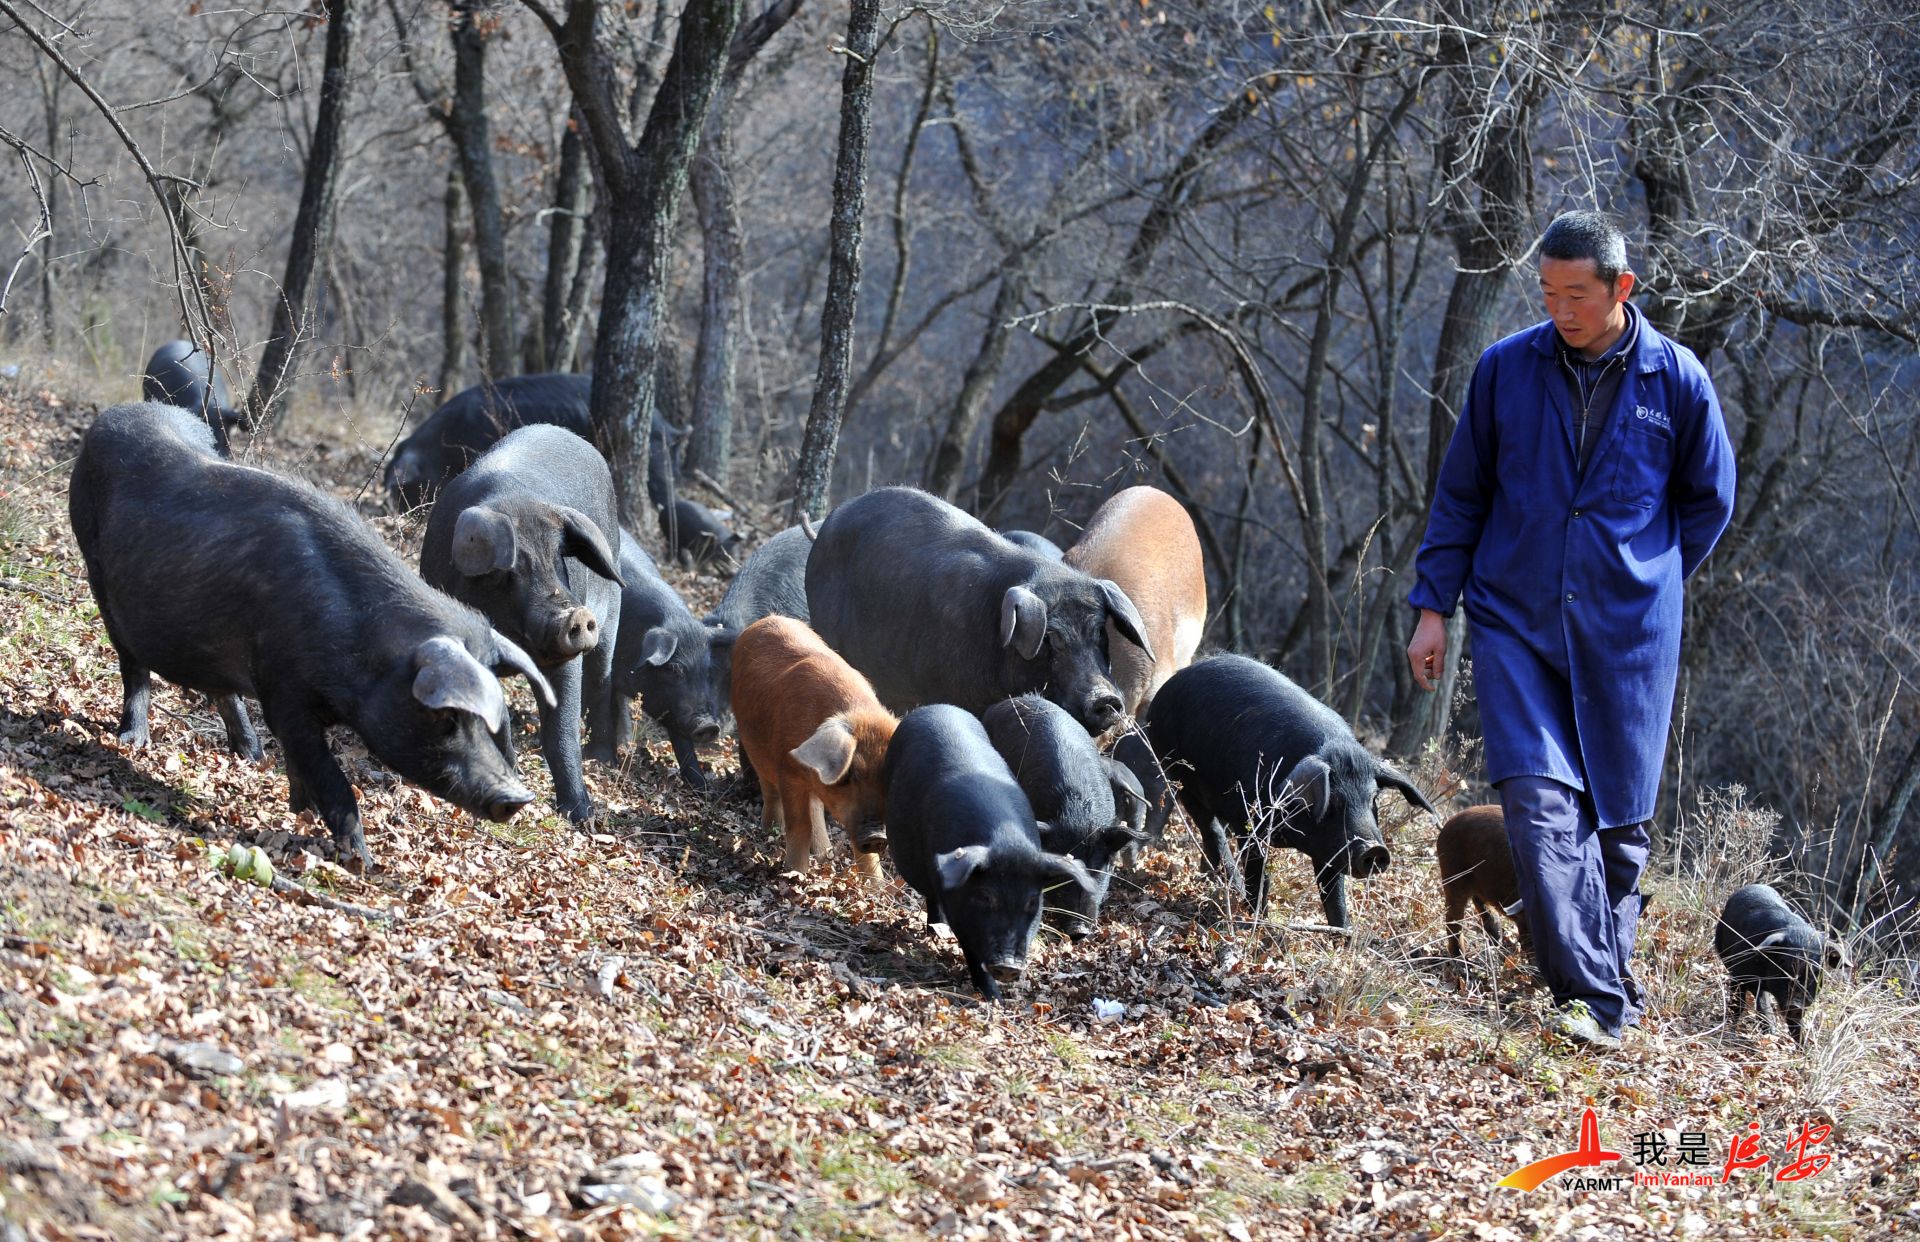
[471,132]
[1320,653]
[566,238]
[950,455]
[312,224]
[453,308]
[710,438]
[50,96]
[813,472]
[642,184]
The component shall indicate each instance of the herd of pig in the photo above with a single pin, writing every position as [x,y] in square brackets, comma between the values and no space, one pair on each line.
[998,716]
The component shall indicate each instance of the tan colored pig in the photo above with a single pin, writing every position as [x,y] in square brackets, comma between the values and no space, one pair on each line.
[815,735]
[1142,539]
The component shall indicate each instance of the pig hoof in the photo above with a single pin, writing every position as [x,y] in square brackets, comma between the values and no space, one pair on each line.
[696,779]
[135,739]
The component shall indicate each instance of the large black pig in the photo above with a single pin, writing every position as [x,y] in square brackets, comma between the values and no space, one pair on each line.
[526,535]
[661,657]
[1070,787]
[935,608]
[180,373]
[772,582]
[1259,759]
[471,422]
[235,581]
[1772,955]
[962,835]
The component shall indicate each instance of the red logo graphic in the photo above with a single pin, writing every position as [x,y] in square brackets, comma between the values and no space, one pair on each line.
[1589,1153]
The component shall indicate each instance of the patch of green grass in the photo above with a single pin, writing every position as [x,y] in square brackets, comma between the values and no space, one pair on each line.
[1071,1054]
[515,833]
[323,990]
[1324,1183]
[952,1056]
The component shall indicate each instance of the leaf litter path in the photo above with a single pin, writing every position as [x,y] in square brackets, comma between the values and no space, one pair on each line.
[549,1034]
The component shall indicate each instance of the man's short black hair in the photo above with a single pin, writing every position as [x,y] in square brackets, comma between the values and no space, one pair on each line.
[1587,235]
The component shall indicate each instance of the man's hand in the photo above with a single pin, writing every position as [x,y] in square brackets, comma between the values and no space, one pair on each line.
[1428,650]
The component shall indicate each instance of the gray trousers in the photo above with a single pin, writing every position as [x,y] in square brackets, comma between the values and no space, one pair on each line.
[1581,888]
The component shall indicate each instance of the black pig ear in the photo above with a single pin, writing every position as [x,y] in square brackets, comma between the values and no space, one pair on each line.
[1023,621]
[482,541]
[1384,775]
[1126,618]
[446,677]
[508,656]
[956,867]
[581,538]
[1057,869]
[658,646]
[1311,779]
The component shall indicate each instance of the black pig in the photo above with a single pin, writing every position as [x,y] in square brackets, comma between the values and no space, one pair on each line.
[1070,788]
[235,581]
[935,608]
[962,835]
[180,373]
[1773,955]
[702,537]
[1246,745]
[526,535]
[660,656]
[772,582]
[473,421]
[1147,782]
[1035,543]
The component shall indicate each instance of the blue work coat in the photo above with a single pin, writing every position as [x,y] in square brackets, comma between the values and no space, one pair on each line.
[1572,578]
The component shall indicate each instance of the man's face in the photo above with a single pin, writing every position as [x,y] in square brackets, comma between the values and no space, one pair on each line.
[1583,307]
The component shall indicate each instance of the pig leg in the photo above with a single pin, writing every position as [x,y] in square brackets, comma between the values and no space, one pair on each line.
[135,699]
[315,781]
[1214,844]
[1333,898]
[1456,911]
[797,809]
[560,743]
[1253,865]
[934,914]
[1488,921]
[688,757]
[597,698]
[770,813]
[241,739]
[817,821]
[983,981]
[622,724]
[1763,1007]
[1795,1015]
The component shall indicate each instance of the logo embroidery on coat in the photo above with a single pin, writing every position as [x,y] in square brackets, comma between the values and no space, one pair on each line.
[1657,417]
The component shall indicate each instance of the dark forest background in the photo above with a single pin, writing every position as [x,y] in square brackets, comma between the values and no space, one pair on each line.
[1023,254]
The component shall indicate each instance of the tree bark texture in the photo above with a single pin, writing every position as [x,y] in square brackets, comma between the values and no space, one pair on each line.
[566,243]
[710,438]
[472,136]
[950,454]
[641,187]
[453,303]
[312,223]
[813,472]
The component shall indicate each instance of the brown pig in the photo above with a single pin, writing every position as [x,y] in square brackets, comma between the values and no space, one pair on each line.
[815,734]
[1142,539]
[1476,864]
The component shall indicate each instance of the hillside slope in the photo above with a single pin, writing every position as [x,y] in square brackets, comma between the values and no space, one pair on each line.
[523,1031]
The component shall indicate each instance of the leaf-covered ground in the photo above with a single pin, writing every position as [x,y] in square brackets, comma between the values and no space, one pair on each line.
[525,1031]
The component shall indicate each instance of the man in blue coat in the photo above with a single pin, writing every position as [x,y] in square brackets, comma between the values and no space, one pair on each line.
[1589,475]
